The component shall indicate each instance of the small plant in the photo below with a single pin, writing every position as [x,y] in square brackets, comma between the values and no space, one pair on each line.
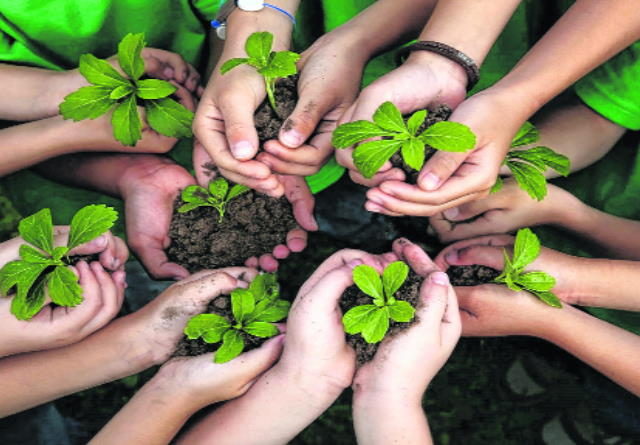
[525,251]
[254,312]
[217,196]
[43,268]
[398,134]
[528,166]
[372,320]
[111,90]
[270,64]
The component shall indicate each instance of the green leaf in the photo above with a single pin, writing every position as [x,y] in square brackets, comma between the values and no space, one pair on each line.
[530,179]
[25,307]
[526,249]
[232,346]
[20,274]
[536,281]
[376,326]
[242,304]
[271,311]
[126,123]
[218,188]
[59,252]
[497,186]
[63,287]
[544,157]
[370,156]
[351,133]
[194,193]
[89,223]
[413,153]
[510,282]
[129,56]
[86,103]
[549,298]
[200,324]
[120,92]
[168,117]
[265,286]
[154,89]
[394,276]
[231,64]
[281,64]
[192,205]
[368,281]
[258,46]
[415,121]
[449,136]
[37,229]
[388,117]
[527,134]
[355,319]
[100,72]
[237,190]
[261,329]
[31,255]
[401,311]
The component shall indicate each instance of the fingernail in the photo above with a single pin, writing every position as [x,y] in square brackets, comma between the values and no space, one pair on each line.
[451,257]
[353,263]
[292,139]
[375,199]
[403,241]
[451,213]
[430,182]
[115,264]
[99,242]
[372,208]
[439,278]
[387,189]
[168,73]
[242,150]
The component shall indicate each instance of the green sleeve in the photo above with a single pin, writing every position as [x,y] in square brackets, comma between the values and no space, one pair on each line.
[612,89]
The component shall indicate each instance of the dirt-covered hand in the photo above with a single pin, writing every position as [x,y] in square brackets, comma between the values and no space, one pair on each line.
[54,327]
[489,251]
[298,193]
[452,179]
[157,328]
[149,188]
[505,211]
[423,80]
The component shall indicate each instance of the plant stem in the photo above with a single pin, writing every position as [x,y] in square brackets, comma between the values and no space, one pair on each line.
[270,84]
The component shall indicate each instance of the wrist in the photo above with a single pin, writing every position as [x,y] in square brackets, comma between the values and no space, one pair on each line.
[436,63]
[145,168]
[381,400]
[319,389]
[241,24]
[60,85]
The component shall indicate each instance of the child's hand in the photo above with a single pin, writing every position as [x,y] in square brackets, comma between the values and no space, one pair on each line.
[569,271]
[405,364]
[55,327]
[505,211]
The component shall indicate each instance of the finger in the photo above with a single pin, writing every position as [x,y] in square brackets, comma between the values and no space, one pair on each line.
[451,323]
[268,263]
[201,291]
[193,79]
[238,273]
[338,259]
[111,300]
[311,108]
[270,186]
[491,222]
[237,113]
[434,297]
[482,255]
[184,96]
[286,168]
[155,260]
[308,155]
[115,254]
[174,61]
[281,252]
[455,187]
[399,206]
[439,168]
[474,208]
[393,174]
[327,291]
[297,240]
[412,254]
[202,165]
[95,246]
[299,195]
[92,303]
[375,208]
[252,262]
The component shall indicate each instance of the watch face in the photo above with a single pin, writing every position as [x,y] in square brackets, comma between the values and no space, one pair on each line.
[250,5]
[221,31]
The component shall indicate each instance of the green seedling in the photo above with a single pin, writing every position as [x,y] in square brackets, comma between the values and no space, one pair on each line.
[372,320]
[42,268]
[525,251]
[110,90]
[398,134]
[270,64]
[528,166]
[254,311]
[217,195]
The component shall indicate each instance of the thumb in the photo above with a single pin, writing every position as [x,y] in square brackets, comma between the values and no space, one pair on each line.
[323,297]
[311,108]
[198,291]
[94,246]
[237,113]
[250,365]
[439,168]
[300,197]
[489,256]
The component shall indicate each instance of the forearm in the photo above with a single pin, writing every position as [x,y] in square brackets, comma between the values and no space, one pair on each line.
[267,407]
[588,34]
[383,421]
[607,348]
[29,380]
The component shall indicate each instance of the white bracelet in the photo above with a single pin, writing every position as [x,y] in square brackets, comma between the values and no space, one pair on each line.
[220,22]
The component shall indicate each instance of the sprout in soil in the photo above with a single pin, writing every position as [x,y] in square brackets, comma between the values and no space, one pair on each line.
[42,268]
[111,90]
[254,312]
[217,195]
[372,320]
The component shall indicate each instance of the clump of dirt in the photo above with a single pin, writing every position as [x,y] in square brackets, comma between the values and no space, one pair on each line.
[268,123]
[410,292]
[220,306]
[471,275]
[253,225]
[439,114]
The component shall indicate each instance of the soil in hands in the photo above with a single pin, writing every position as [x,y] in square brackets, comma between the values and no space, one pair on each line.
[439,114]
[268,123]
[471,275]
[253,225]
[410,292]
[220,306]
